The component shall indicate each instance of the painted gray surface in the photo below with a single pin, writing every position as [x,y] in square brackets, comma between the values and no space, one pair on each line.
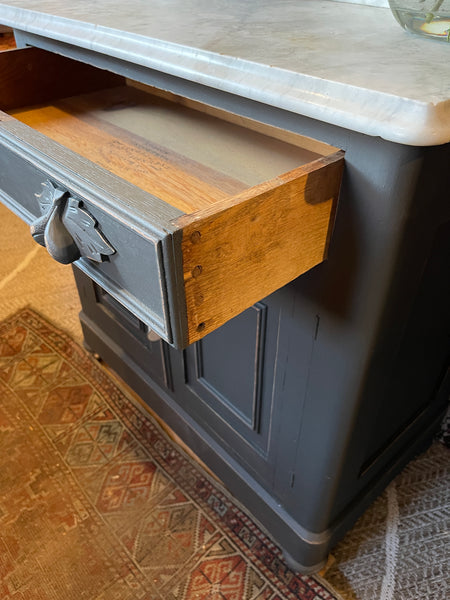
[237,404]
[238,481]
[347,409]
[357,362]
[344,64]
[110,315]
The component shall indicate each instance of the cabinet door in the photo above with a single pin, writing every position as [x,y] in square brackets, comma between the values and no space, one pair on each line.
[128,337]
[231,385]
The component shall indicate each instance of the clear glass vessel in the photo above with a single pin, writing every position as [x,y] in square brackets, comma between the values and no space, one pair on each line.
[426,17]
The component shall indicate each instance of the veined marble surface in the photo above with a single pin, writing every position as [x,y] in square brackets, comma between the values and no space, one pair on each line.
[347,64]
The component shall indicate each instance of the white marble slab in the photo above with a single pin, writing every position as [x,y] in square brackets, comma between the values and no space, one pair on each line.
[384,3]
[347,64]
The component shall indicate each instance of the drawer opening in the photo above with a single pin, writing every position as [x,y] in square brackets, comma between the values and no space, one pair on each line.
[188,158]
[239,208]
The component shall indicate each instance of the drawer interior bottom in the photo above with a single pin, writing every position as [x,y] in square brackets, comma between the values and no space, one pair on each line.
[185,157]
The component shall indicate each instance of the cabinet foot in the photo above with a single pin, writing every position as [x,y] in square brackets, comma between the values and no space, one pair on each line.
[92,352]
[87,347]
[298,567]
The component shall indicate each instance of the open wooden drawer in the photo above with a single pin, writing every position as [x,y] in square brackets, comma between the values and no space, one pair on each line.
[185,214]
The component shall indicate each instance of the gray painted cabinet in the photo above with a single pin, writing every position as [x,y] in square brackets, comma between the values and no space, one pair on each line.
[307,404]
[311,397]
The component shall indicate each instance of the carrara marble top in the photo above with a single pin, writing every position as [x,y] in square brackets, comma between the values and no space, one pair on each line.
[347,64]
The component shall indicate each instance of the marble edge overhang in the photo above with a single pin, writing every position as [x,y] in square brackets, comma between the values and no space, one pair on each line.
[371,112]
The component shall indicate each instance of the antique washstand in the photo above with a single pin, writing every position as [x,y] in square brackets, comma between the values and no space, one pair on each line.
[187,157]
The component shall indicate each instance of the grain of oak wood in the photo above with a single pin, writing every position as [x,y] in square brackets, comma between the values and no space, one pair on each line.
[133,163]
[184,157]
[129,114]
[241,251]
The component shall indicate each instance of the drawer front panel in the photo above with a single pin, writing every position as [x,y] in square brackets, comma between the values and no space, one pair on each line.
[134,274]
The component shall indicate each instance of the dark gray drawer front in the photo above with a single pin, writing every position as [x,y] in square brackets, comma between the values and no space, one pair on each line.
[134,274]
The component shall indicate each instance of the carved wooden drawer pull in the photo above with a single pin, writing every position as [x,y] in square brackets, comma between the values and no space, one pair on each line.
[66,229]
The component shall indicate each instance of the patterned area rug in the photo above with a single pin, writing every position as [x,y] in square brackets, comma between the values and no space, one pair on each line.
[400,548]
[97,503]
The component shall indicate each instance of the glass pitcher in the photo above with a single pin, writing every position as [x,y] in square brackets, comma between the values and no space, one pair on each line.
[426,17]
